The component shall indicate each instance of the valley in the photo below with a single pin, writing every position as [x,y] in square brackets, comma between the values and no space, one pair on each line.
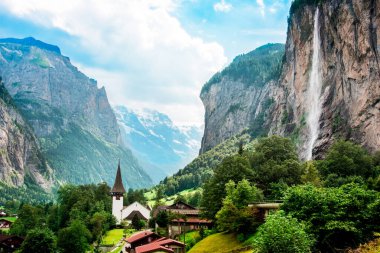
[287,158]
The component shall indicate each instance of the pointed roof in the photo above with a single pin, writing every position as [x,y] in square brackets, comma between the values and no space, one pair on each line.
[118,185]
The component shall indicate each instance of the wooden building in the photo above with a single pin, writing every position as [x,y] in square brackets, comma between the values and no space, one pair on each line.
[188,218]
[5,223]
[10,243]
[147,242]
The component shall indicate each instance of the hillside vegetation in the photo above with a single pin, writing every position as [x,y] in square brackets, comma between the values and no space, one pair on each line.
[254,68]
[201,168]
[218,243]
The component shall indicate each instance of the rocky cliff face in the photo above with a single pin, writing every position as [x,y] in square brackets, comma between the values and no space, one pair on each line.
[20,156]
[350,75]
[38,76]
[75,125]
[238,98]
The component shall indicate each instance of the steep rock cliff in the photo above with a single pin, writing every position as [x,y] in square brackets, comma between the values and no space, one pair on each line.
[238,98]
[350,75]
[348,67]
[75,125]
[20,158]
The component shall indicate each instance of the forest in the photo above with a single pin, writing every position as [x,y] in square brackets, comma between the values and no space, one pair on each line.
[327,205]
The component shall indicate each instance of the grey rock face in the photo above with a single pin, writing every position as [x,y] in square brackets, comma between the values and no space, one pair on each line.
[350,75]
[20,156]
[230,108]
[49,79]
[240,97]
[350,72]
[71,117]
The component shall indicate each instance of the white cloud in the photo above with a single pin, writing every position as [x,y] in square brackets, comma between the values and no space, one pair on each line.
[222,6]
[261,5]
[158,64]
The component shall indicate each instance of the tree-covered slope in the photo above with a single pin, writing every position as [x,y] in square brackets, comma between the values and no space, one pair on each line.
[201,168]
[255,68]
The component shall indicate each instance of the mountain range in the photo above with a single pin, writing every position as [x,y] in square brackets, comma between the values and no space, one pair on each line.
[160,146]
[68,130]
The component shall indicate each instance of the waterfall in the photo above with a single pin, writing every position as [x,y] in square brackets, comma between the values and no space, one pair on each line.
[313,101]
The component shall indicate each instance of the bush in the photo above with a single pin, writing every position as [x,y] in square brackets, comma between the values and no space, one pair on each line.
[338,217]
[39,240]
[282,233]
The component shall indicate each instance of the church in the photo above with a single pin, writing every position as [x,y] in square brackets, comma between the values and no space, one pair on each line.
[121,212]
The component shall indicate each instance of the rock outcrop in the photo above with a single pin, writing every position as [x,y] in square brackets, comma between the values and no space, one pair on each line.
[20,156]
[350,75]
[238,98]
[350,72]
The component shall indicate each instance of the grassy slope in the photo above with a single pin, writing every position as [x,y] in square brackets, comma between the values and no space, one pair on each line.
[12,219]
[112,237]
[218,243]
[151,195]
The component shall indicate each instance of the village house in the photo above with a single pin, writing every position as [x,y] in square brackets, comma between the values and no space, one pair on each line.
[148,242]
[5,223]
[125,213]
[188,218]
[10,243]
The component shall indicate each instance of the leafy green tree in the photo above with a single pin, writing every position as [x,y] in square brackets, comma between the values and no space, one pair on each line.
[338,217]
[233,168]
[275,159]
[39,240]
[74,238]
[235,215]
[282,233]
[29,217]
[137,223]
[162,219]
[100,223]
[311,174]
[134,195]
[346,159]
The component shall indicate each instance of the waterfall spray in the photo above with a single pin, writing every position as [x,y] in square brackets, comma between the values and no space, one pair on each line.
[313,101]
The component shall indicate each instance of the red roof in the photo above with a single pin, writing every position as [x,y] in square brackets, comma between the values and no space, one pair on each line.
[139,236]
[158,245]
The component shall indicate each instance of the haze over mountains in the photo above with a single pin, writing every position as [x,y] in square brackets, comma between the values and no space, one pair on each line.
[160,146]
[58,126]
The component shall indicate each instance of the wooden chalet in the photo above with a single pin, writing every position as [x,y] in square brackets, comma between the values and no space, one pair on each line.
[149,242]
[188,218]
[139,239]
[10,243]
[162,245]
[5,223]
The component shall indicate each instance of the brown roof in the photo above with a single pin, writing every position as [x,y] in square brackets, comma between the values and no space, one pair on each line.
[139,236]
[118,185]
[159,245]
[192,220]
[185,211]
[180,205]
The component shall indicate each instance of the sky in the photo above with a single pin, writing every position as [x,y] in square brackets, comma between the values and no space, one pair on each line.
[154,54]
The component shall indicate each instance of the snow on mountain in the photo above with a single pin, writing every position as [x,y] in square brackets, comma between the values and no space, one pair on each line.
[161,147]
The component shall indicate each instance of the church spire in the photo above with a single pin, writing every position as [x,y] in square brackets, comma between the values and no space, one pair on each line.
[118,185]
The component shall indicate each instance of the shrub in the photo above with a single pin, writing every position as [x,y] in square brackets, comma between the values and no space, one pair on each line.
[282,233]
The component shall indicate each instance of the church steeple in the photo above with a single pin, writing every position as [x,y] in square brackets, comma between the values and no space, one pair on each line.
[118,187]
